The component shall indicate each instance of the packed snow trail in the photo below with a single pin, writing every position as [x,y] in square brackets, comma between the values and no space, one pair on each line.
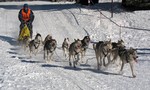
[19,72]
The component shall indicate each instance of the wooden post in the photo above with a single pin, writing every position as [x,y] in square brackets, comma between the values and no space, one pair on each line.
[120,33]
[111,8]
[100,17]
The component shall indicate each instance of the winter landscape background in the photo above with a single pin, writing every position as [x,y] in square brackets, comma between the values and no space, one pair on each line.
[66,19]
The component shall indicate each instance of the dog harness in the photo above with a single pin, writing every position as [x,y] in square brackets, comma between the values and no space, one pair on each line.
[36,44]
[52,45]
[124,51]
[66,45]
[77,47]
[84,45]
[105,50]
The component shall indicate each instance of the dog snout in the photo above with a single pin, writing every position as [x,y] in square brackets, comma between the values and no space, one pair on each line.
[53,44]
[135,57]
[78,46]
[109,49]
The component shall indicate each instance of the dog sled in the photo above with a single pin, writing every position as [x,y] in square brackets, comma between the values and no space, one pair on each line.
[24,35]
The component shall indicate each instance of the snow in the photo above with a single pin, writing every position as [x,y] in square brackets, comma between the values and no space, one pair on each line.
[65,19]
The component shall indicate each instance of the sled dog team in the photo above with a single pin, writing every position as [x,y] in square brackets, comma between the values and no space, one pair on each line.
[105,51]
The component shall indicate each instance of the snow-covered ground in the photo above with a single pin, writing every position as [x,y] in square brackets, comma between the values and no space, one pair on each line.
[66,19]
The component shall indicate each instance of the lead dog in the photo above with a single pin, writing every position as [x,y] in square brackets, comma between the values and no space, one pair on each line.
[74,50]
[65,47]
[49,48]
[128,56]
[35,43]
[102,50]
[115,49]
[119,43]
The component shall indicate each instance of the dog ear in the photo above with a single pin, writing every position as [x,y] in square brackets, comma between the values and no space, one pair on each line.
[67,38]
[121,40]
[55,41]
[131,48]
[110,41]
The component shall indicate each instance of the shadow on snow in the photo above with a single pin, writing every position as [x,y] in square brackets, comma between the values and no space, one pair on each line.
[8,39]
[26,61]
[145,51]
[79,69]
[106,6]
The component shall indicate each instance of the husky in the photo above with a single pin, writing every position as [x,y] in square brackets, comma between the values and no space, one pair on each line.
[128,56]
[35,43]
[48,37]
[85,43]
[115,54]
[65,47]
[119,43]
[115,50]
[74,50]
[49,48]
[102,50]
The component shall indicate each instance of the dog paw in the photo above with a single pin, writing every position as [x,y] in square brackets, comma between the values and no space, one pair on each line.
[70,64]
[75,62]
[102,68]
[82,62]
[47,61]
[134,76]
[74,66]
[30,56]
[107,65]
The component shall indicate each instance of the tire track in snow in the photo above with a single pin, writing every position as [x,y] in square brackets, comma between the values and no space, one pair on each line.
[53,29]
[78,22]
[66,27]
[41,16]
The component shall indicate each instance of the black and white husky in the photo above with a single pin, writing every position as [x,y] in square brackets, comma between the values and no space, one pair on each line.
[35,43]
[85,44]
[49,48]
[128,56]
[65,47]
[74,51]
